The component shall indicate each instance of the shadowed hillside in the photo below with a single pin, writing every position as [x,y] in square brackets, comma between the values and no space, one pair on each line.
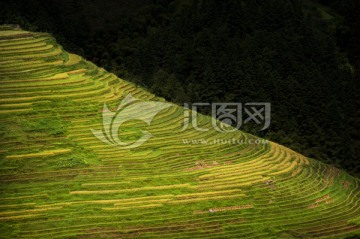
[299,55]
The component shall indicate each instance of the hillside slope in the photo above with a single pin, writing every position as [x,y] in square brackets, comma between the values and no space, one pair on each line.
[60,181]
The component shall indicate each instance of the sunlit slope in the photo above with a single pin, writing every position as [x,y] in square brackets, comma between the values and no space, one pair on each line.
[59,181]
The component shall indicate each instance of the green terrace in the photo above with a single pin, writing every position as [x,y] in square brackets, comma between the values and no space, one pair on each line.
[59,181]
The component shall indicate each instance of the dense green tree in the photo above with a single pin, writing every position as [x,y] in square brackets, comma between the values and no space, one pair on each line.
[278,51]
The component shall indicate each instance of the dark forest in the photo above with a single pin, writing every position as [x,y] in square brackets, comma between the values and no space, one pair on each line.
[301,56]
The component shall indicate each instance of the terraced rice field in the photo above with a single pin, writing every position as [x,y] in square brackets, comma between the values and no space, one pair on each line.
[59,181]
